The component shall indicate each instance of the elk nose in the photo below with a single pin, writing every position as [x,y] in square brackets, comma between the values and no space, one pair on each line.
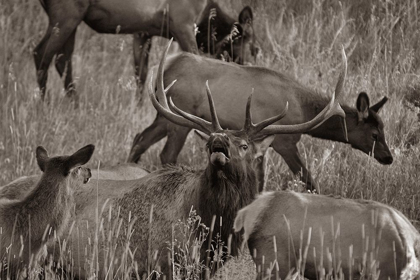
[388,160]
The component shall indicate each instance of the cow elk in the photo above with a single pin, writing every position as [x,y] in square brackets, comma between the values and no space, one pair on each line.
[272,89]
[147,208]
[46,207]
[18,188]
[322,237]
[145,19]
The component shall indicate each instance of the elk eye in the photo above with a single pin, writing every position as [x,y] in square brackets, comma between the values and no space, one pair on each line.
[375,136]
[245,147]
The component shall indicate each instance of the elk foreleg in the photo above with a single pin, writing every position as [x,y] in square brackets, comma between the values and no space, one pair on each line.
[64,66]
[141,48]
[152,134]
[176,140]
[286,147]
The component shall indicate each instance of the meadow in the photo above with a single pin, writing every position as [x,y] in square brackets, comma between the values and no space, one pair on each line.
[381,39]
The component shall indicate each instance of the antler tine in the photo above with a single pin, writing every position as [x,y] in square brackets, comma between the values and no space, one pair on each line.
[253,129]
[339,88]
[207,127]
[333,108]
[248,116]
[204,125]
[167,113]
[261,125]
[214,118]
[161,92]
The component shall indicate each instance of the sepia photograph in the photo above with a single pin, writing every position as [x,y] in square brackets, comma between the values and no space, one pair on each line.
[210,139]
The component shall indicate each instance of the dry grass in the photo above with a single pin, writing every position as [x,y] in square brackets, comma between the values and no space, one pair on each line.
[302,40]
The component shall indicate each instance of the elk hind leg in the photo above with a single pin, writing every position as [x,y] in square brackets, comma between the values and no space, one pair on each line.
[176,140]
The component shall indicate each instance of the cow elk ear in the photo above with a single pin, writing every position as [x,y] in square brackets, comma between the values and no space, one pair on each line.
[379,105]
[362,105]
[202,135]
[80,157]
[246,15]
[262,144]
[41,157]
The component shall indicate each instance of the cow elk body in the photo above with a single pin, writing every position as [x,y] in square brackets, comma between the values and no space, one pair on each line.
[144,18]
[357,239]
[19,188]
[46,207]
[230,83]
[148,207]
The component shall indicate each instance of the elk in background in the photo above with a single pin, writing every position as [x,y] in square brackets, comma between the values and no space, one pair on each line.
[230,82]
[147,208]
[333,236]
[46,207]
[144,18]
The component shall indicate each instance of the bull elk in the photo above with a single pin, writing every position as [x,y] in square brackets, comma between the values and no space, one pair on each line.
[357,239]
[142,18]
[272,89]
[227,184]
[47,206]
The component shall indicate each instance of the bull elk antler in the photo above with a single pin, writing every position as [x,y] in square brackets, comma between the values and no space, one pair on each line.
[254,131]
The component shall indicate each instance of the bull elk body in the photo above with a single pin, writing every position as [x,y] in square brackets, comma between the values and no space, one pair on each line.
[227,184]
[230,83]
[144,18]
[357,239]
[46,206]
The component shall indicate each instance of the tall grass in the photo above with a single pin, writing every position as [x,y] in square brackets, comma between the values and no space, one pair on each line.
[296,37]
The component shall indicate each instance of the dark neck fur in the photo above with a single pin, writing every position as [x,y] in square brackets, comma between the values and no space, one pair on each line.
[223,194]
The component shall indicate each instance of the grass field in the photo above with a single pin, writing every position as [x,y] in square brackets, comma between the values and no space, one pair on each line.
[381,38]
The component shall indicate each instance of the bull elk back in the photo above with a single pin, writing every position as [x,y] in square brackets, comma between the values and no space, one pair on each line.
[46,207]
[335,236]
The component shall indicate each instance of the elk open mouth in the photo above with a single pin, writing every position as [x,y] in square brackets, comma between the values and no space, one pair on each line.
[219,155]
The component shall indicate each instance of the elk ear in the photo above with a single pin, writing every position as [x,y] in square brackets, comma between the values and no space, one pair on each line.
[41,157]
[262,144]
[201,135]
[245,16]
[379,105]
[80,157]
[362,105]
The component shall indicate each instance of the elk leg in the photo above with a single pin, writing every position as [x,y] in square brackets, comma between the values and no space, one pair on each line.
[286,147]
[176,140]
[182,28]
[64,67]
[186,40]
[57,34]
[152,134]
[141,48]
